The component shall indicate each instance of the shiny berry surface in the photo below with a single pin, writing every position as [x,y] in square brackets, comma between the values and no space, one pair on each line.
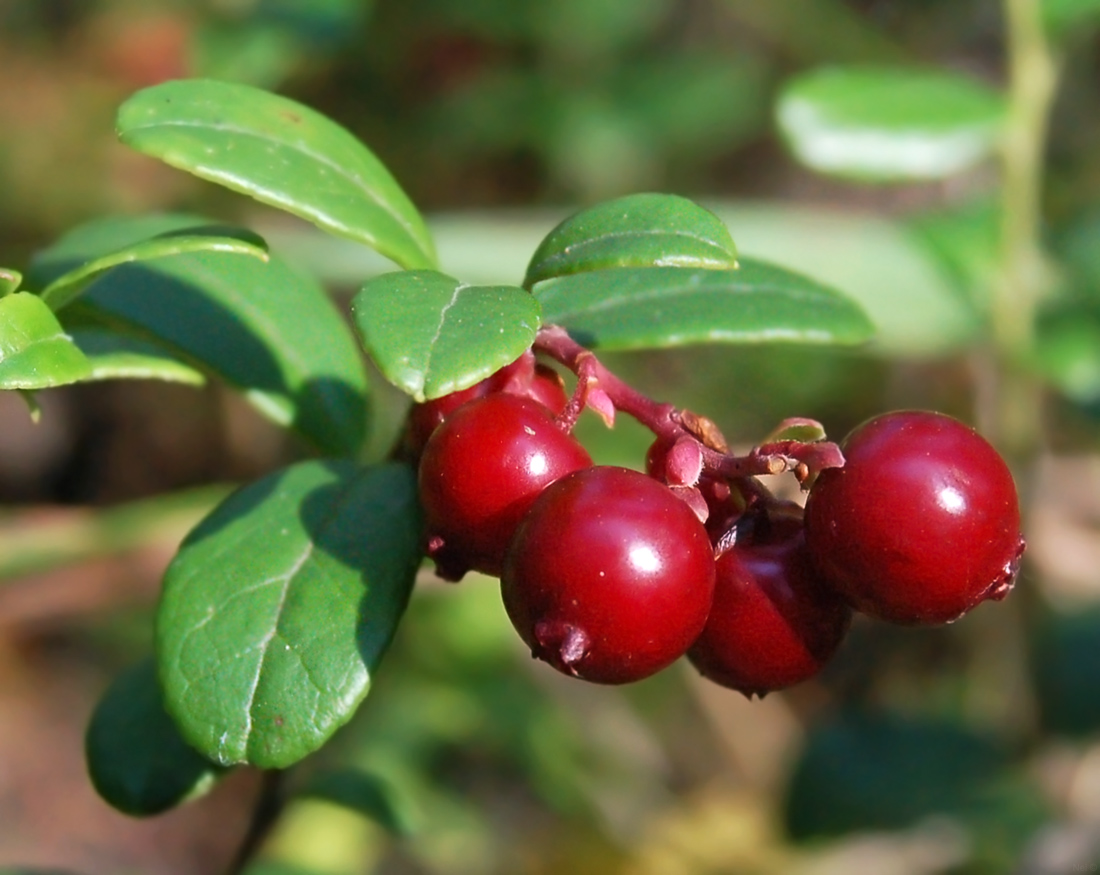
[609,577]
[921,523]
[480,471]
[522,377]
[773,622]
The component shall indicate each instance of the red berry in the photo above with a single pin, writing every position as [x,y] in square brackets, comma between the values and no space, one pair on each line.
[920,524]
[426,417]
[773,623]
[521,377]
[480,471]
[609,577]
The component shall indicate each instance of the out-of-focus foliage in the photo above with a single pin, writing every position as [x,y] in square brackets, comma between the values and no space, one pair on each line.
[470,757]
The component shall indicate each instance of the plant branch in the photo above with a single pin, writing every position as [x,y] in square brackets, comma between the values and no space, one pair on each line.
[599,388]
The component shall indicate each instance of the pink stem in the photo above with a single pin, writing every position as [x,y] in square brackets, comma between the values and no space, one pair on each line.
[665,422]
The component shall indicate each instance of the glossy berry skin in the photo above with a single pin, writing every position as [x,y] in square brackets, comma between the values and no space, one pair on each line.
[522,377]
[773,623]
[921,523]
[480,471]
[609,577]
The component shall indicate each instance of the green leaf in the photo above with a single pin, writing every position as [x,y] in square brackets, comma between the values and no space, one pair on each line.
[877,263]
[68,286]
[278,607]
[35,351]
[362,792]
[1066,660]
[261,327]
[10,281]
[640,230]
[431,335]
[867,772]
[641,308]
[281,153]
[136,758]
[889,124]
[117,357]
[100,237]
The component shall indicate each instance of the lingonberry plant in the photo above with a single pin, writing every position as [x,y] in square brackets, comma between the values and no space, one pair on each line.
[278,607]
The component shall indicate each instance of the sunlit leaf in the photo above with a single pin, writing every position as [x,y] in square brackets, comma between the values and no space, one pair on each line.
[118,357]
[66,287]
[282,153]
[639,308]
[430,334]
[136,758]
[640,230]
[35,351]
[262,327]
[278,607]
[887,123]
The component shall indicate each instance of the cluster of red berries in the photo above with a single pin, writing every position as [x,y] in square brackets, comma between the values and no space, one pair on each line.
[609,574]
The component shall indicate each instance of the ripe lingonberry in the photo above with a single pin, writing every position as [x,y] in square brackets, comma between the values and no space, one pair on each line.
[920,524]
[480,471]
[522,377]
[609,577]
[773,622]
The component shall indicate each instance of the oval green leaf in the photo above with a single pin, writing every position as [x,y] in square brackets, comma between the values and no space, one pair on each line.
[279,605]
[262,327]
[639,230]
[69,285]
[431,335]
[889,124]
[118,357]
[136,758]
[35,351]
[642,308]
[281,153]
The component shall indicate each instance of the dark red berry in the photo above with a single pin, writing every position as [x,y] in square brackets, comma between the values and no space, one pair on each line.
[480,471]
[773,623]
[609,577]
[920,524]
[522,377]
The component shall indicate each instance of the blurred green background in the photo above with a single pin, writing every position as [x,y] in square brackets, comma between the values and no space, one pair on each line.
[973,748]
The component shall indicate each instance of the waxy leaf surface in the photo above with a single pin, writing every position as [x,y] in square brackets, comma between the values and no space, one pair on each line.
[281,153]
[136,758]
[260,326]
[431,335]
[889,123]
[279,605]
[68,286]
[119,357]
[639,308]
[640,230]
[35,351]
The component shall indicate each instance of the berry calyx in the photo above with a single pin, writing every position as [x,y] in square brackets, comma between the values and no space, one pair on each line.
[773,622]
[609,577]
[480,471]
[922,522]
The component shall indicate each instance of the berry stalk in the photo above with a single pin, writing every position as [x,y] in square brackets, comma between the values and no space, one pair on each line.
[600,389]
